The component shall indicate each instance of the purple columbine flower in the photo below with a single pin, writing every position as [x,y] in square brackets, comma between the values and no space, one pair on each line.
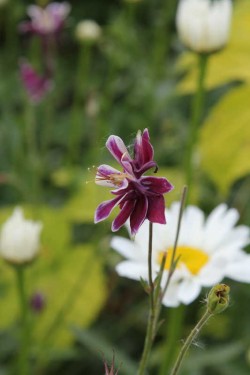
[139,197]
[46,21]
[36,86]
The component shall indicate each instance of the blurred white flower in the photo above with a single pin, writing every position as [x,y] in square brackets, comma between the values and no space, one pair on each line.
[88,31]
[204,25]
[209,251]
[19,238]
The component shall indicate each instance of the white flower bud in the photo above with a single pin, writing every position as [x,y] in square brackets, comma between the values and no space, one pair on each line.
[204,25]
[88,31]
[19,238]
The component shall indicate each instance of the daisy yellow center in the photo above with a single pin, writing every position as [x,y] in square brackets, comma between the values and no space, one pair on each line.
[194,259]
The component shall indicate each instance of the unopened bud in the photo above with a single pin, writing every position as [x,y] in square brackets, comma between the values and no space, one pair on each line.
[218,298]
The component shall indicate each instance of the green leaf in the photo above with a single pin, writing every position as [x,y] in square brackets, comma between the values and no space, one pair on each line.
[225,140]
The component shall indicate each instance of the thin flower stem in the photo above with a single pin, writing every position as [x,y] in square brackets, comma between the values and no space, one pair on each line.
[77,111]
[194,333]
[156,295]
[176,319]
[197,108]
[151,319]
[150,276]
[24,346]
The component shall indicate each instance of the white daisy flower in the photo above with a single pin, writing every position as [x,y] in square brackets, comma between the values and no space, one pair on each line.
[209,251]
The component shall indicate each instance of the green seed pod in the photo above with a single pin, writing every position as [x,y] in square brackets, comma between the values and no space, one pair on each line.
[218,298]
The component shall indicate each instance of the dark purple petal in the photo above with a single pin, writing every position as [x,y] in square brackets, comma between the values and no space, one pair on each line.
[158,185]
[151,164]
[143,150]
[156,209]
[139,214]
[116,147]
[104,209]
[127,164]
[123,216]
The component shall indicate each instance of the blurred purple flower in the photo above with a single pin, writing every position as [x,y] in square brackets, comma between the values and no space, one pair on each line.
[37,302]
[139,197]
[46,21]
[37,86]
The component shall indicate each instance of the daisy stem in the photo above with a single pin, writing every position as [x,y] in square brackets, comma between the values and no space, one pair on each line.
[23,356]
[192,336]
[197,108]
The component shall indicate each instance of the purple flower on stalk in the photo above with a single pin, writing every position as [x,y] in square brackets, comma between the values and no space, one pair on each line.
[46,21]
[139,197]
[37,86]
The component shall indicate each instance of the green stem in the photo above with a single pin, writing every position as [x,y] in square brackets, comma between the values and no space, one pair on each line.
[78,102]
[150,277]
[163,37]
[194,333]
[151,319]
[177,316]
[197,109]
[24,347]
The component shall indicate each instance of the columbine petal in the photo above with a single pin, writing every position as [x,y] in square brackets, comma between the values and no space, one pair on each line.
[158,185]
[139,214]
[105,208]
[123,216]
[156,209]
[143,150]
[116,147]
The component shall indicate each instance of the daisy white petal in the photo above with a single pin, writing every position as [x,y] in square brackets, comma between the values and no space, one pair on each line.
[208,250]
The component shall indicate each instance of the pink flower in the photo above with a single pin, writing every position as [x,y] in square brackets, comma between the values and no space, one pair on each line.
[139,197]
[46,21]
[36,86]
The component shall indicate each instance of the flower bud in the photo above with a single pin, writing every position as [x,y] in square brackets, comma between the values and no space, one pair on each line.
[88,31]
[204,25]
[19,238]
[218,298]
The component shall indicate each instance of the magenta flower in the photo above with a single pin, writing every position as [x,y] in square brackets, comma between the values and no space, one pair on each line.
[139,197]
[36,86]
[46,21]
